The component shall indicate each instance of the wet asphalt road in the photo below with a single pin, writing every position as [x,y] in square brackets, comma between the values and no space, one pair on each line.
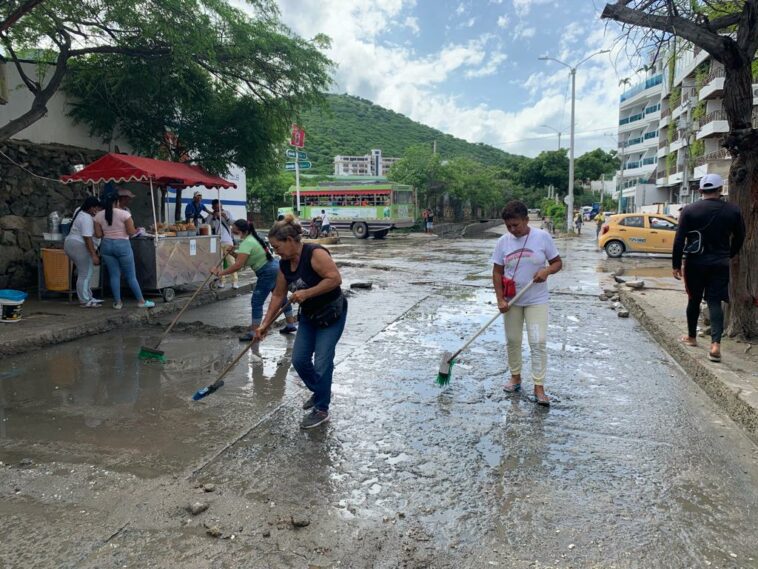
[632,466]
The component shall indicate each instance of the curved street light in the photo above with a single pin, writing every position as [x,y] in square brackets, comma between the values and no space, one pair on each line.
[570,197]
[554,130]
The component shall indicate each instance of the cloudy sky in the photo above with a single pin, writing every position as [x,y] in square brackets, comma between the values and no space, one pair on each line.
[470,67]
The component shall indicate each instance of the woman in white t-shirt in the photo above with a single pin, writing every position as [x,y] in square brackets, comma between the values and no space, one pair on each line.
[80,247]
[522,255]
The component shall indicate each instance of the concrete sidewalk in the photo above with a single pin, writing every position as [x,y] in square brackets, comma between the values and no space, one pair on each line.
[52,321]
[732,384]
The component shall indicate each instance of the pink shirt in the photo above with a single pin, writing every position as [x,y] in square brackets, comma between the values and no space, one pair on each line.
[118,229]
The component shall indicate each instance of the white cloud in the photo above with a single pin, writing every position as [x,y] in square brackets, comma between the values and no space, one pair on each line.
[397,77]
[412,24]
[490,67]
[503,21]
[460,9]
[523,7]
[523,31]
[470,23]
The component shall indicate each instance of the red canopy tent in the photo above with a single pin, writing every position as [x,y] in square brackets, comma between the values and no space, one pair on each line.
[124,168]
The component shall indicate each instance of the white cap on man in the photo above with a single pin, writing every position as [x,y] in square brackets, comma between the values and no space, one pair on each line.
[197,194]
[711,183]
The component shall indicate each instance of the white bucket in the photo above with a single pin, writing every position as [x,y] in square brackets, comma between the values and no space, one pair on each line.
[10,310]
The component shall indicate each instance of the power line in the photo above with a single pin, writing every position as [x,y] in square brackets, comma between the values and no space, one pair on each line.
[544,137]
[9,159]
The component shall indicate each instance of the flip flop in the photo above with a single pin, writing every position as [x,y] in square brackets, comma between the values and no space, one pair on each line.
[687,342]
[544,401]
[512,388]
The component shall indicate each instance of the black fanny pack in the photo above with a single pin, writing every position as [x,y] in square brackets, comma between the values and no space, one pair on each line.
[325,316]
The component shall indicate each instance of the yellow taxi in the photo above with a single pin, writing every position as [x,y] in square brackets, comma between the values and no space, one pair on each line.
[637,233]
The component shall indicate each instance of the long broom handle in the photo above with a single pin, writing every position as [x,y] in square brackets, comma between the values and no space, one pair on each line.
[250,345]
[487,325]
[186,306]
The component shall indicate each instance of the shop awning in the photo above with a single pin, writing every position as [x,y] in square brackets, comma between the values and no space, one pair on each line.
[119,168]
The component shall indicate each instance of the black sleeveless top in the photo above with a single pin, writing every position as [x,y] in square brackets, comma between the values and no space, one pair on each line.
[305,277]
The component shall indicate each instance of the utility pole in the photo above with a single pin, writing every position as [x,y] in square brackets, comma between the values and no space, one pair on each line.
[570,197]
[620,180]
[555,130]
[684,130]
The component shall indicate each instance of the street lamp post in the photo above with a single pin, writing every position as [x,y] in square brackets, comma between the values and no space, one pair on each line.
[570,197]
[555,130]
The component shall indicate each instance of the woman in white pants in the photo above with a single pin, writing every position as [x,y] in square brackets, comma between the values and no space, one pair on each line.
[524,254]
[80,247]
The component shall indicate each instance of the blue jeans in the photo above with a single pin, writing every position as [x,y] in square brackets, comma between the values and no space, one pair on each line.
[118,257]
[316,372]
[265,284]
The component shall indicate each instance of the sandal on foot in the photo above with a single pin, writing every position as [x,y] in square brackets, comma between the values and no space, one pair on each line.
[715,357]
[542,400]
[512,387]
[687,341]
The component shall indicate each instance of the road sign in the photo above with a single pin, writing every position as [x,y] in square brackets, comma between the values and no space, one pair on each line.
[299,155]
[298,137]
[302,164]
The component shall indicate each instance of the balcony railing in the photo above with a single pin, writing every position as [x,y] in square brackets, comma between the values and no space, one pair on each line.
[719,115]
[652,82]
[640,116]
[721,154]
[716,71]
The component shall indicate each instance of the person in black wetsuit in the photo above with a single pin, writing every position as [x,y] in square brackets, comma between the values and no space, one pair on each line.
[706,273]
[313,279]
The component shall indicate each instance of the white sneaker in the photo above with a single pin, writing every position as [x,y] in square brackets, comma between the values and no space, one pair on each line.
[221,285]
[235,285]
[118,305]
[92,304]
[97,300]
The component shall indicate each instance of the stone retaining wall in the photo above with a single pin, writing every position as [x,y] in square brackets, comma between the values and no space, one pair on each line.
[26,201]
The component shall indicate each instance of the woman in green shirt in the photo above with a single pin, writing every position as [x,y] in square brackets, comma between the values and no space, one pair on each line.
[252,252]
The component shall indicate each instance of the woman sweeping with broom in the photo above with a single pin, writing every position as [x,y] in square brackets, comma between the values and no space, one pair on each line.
[522,255]
[252,252]
[309,273]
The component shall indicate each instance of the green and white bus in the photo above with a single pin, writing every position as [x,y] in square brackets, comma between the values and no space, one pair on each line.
[365,206]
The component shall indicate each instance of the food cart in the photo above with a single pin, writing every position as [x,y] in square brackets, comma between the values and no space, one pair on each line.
[169,255]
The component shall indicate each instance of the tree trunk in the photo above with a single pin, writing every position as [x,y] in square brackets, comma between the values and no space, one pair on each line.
[742,143]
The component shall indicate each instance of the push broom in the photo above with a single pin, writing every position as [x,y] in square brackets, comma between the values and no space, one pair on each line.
[205,391]
[147,353]
[448,360]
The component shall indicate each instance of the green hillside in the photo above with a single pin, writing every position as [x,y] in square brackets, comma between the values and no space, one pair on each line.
[353,126]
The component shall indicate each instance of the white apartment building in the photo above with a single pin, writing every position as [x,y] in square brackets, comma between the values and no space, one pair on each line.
[373,164]
[638,136]
[695,122]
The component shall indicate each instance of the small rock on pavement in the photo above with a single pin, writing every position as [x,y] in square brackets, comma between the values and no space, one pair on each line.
[300,521]
[615,298]
[636,284]
[603,297]
[209,487]
[622,313]
[25,462]
[198,508]
[571,546]
[214,531]
[266,533]
[366,285]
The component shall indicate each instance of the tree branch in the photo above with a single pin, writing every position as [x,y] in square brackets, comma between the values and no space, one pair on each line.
[677,25]
[18,13]
[747,32]
[39,104]
[31,85]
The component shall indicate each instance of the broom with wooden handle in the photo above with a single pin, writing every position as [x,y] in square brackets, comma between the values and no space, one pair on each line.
[153,353]
[448,360]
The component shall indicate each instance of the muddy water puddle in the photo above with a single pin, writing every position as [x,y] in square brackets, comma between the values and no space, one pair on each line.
[95,395]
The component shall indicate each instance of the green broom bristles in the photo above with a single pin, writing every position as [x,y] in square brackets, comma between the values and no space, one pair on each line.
[444,378]
[150,355]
